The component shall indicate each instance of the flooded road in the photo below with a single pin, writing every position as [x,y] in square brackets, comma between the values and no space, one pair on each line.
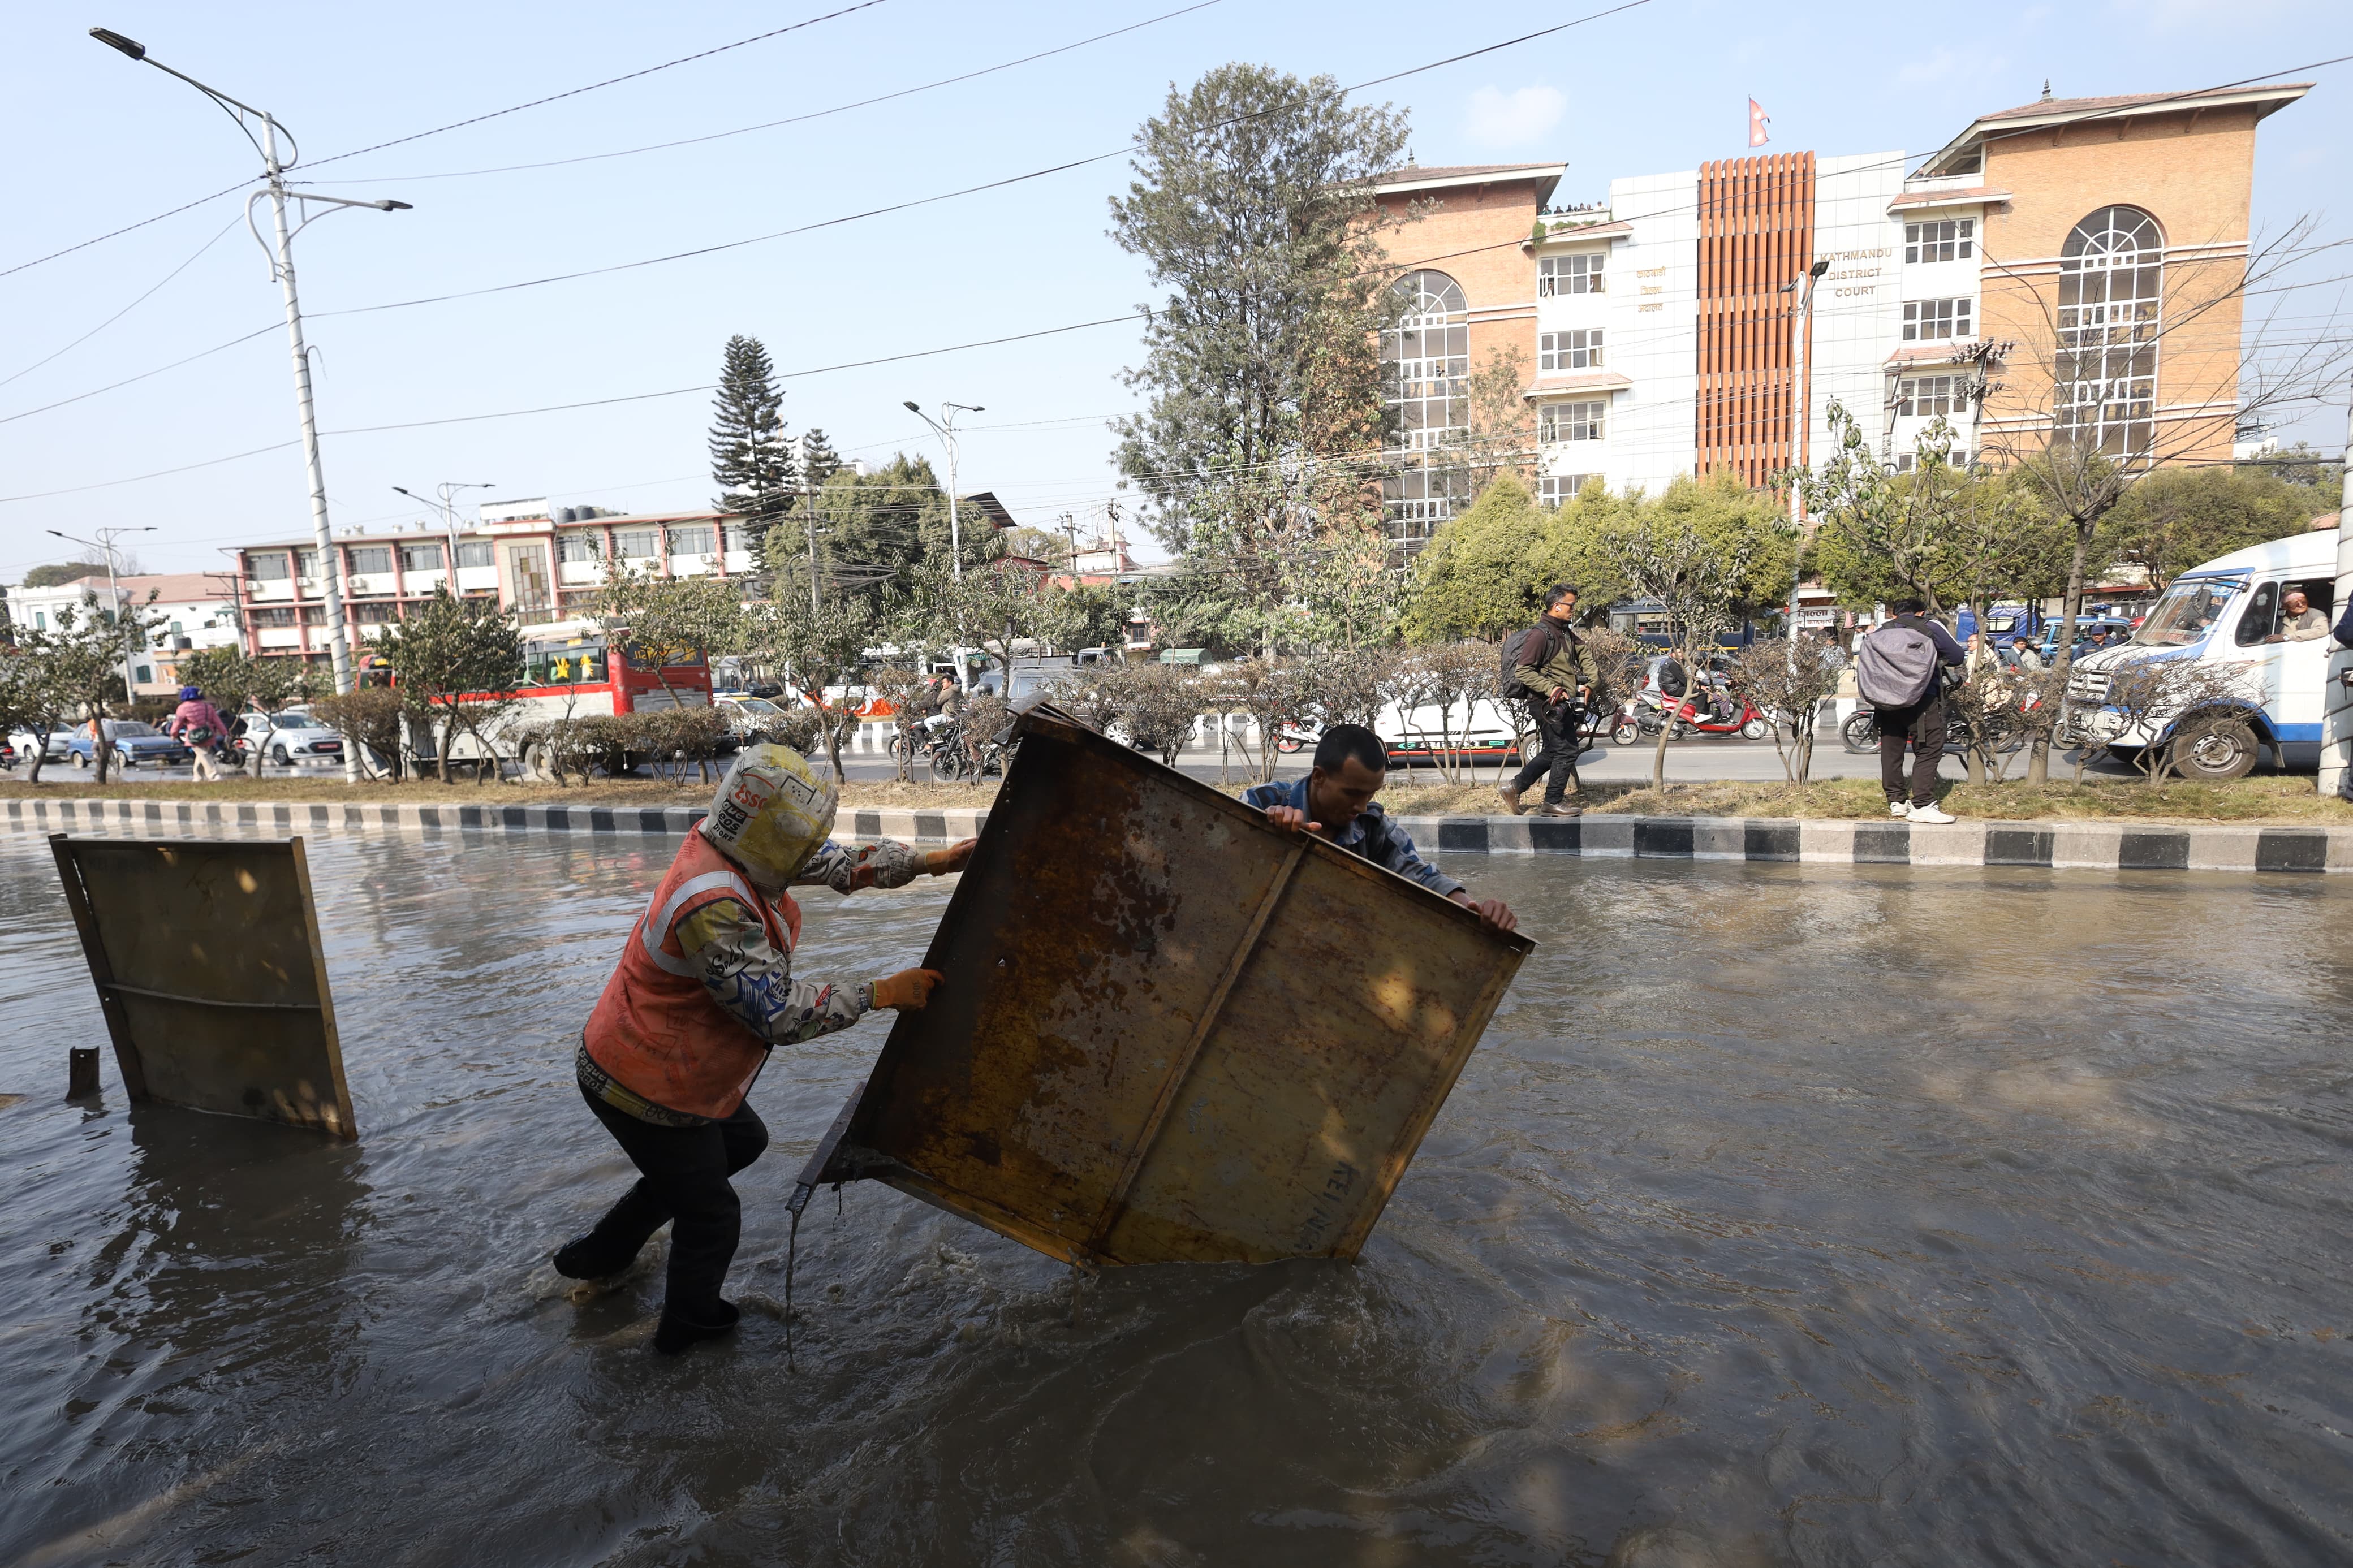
[1787,1215]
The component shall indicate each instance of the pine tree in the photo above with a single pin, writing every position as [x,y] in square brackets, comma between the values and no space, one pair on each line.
[751,462]
[818,460]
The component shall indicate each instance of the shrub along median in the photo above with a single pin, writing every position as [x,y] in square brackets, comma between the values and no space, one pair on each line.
[2273,800]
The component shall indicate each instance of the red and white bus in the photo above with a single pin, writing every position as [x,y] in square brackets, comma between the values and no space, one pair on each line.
[571,671]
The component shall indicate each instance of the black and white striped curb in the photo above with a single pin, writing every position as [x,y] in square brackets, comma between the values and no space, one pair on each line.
[2062,846]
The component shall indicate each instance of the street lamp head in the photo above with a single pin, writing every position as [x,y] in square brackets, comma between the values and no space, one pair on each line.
[113,40]
[389,205]
[411,494]
[911,406]
[1821,266]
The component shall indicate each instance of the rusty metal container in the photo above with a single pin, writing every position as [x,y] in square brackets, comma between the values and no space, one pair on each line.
[1170,1032]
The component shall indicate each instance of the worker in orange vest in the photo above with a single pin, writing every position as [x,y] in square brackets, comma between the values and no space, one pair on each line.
[703,992]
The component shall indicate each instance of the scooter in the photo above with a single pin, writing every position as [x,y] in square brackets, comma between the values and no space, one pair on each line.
[1645,714]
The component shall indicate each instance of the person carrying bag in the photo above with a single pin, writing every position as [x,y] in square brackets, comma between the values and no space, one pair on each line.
[1900,670]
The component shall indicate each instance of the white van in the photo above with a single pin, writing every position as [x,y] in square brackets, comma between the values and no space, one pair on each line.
[2224,612]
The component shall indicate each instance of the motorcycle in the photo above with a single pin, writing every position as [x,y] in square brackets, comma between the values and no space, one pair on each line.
[1293,734]
[1860,733]
[1645,714]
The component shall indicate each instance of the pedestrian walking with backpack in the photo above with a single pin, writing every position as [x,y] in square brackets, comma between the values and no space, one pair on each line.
[1549,667]
[1900,670]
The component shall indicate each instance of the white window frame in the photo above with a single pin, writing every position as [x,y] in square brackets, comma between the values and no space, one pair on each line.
[1584,420]
[1584,272]
[1559,490]
[1939,321]
[1928,396]
[1578,349]
[1932,240]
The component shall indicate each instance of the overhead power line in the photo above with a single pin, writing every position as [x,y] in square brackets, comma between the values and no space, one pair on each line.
[457,124]
[790,120]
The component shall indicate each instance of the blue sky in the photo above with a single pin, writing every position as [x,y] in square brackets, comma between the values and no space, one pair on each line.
[102,143]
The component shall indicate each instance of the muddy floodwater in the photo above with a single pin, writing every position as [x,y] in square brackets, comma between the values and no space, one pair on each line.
[1785,1215]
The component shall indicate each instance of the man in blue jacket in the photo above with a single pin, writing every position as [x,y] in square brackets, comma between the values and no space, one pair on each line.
[1335,800]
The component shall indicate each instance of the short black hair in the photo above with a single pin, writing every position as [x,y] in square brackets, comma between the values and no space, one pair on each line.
[1559,591]
[1906,607]
[1342,741]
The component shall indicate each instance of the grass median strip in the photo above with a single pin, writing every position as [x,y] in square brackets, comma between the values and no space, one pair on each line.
[2275,800]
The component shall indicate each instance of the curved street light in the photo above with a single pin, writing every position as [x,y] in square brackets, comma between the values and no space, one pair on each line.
[945,426]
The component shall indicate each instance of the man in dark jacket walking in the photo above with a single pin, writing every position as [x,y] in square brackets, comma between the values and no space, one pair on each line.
[1556,674]
[1921,724]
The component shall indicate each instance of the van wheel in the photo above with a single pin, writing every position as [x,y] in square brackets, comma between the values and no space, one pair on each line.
[2215,750]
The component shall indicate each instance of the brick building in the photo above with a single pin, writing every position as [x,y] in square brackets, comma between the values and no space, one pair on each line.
[2072,258]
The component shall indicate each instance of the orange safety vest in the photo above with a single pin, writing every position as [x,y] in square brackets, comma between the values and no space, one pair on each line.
[655,1030]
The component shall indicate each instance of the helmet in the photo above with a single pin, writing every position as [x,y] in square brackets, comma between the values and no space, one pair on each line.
[191,694]
[771,814]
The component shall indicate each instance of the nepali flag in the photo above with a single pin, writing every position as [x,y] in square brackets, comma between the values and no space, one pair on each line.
[1758,121]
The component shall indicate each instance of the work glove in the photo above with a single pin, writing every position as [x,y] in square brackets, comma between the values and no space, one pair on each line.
[940,862]
[907,988]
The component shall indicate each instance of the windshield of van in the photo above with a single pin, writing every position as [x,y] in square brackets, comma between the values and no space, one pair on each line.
[2186,614]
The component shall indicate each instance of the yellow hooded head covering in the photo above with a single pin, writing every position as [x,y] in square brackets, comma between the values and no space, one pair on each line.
[771,814]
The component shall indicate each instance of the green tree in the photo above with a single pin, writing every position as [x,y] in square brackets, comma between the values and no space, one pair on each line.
[2177,518]
[1479,575]
[1252,206]
[231,678]
[458,662]
[32,698]
[751,462]
[669,622]
[819,653]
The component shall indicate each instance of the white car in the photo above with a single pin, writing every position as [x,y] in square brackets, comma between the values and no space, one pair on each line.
[24,742]
[289,738]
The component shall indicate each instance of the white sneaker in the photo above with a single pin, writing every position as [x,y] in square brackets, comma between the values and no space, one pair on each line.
[1929,814]
[1904,807]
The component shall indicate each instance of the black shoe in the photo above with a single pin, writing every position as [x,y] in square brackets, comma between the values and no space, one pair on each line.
[678,1330]
[591,1256]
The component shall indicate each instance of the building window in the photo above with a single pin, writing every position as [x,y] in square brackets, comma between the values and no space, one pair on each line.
[420,558]
[692,541]
[1555,489]
[143,675]
[274,615]
[474,552]
[2110,289]
[1935,321]
[1427,359]
[314,614]
[633,543]
[373,615]
[1950,239]
[306,565]
[41,620]
[732,537]
[576,547]
[1569,422]
[1926,396]
[1570,274]
[1569,351]
[266,568]
[1419,499]
[372,558]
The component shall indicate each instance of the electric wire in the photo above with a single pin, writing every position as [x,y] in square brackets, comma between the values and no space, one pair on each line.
[126,309]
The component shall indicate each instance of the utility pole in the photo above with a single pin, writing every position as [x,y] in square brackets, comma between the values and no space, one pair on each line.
[1802,413]
[105,542]
[2337,748]
[446,491]
[281,268]
[945,426]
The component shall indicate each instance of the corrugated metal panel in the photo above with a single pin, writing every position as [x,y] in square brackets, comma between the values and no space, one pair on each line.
[1169,1031]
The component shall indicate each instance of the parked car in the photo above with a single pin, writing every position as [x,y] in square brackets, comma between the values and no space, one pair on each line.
[289,737]
[134,744]
[24,743]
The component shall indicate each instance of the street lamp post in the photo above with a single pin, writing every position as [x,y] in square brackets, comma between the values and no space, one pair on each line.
[1801,409]
[447,490]
[281,267]
[945,426]
[105,542]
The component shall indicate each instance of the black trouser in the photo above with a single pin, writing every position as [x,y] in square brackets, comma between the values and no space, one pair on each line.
[684,1181]
[1922,724]
[1556,763]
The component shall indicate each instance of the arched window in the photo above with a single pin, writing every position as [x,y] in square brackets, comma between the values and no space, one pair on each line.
[2111,293]
[1425,359]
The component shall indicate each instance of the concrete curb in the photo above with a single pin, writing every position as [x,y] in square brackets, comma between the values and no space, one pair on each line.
[2059,845]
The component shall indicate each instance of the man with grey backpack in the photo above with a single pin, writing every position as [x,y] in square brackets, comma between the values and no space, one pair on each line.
[1900,669]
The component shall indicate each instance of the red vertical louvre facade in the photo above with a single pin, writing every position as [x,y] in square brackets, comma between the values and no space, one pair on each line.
[1756,234]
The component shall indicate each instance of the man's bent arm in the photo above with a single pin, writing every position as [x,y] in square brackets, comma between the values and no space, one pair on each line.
[743,972]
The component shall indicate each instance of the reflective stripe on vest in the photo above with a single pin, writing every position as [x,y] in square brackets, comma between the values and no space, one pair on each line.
[654,929]
[655,1030]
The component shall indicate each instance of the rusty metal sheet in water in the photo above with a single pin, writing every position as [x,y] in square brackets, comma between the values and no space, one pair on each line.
[208,967]
[1170,1032]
